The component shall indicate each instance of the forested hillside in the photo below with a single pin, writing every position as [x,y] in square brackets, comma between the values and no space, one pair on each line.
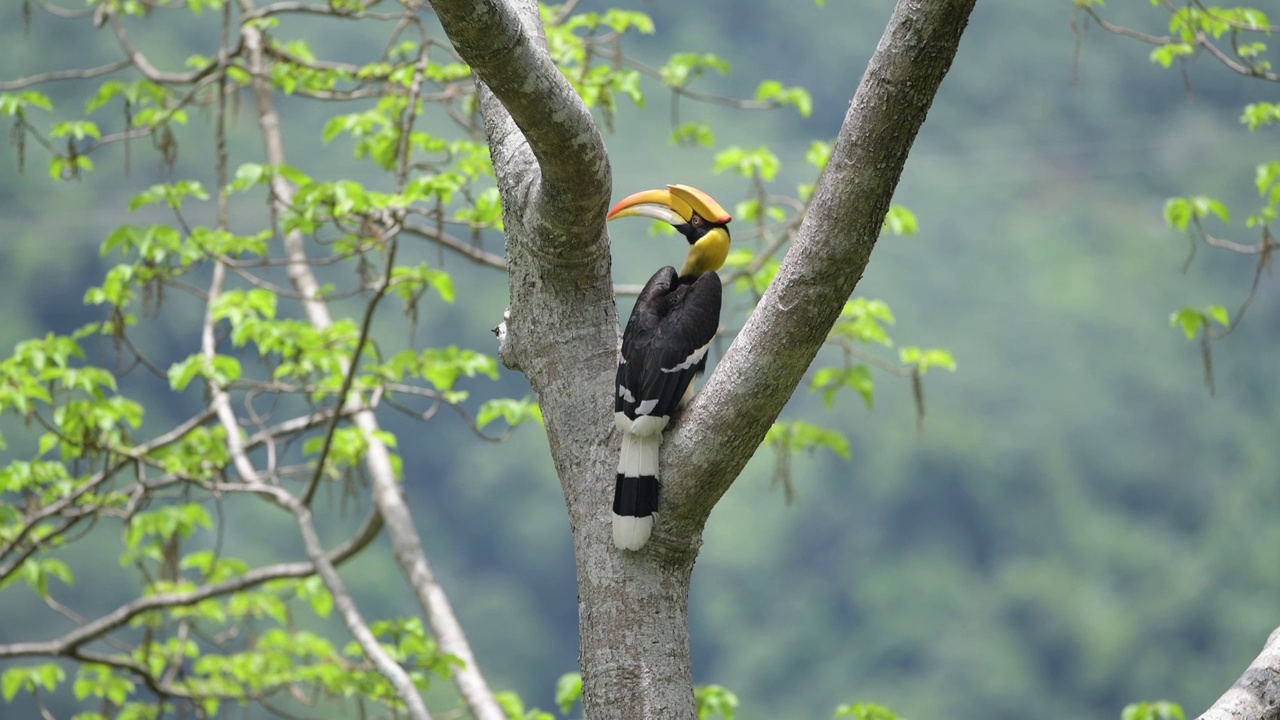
[1077,525]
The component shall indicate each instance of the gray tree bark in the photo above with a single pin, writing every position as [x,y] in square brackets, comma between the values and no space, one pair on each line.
[562,332]
[1256,695]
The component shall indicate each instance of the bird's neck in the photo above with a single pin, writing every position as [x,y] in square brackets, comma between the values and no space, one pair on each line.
[707,254]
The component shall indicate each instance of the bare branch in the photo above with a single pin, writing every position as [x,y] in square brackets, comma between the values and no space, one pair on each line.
[304,8]
[221,402]
[144,65]
[349,373]
[481,256]
[64,13]
[79,74]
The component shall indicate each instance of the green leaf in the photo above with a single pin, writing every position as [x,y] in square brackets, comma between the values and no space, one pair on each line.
[1255,115]
[622,20]
[14,680]
[925,359]
[443,366]
[20,678]
[1202,206]
[797,435]
[77,129]
[797,97]
[748,163]
[442,282]
[830,379]
[1177,213]
[1166,54]
[684,66]
[250,174]
[48,441]
[183,372]
[1160,710]
[313,590]
[172,193]
[693,133]
[509,409]
[1189,319]
[818,154]
[13,104]
[511,704]
[1253,49]
[866,711]
[864,320]
[225,370]
[900,221]
[568,691]
[714,701]
[1265,177]
[1218,314]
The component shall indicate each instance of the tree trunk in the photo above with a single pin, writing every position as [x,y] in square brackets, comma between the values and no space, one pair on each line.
[562,332]
[633,629]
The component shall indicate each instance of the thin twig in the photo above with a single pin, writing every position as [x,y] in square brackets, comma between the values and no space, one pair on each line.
[84,74]
[122,615]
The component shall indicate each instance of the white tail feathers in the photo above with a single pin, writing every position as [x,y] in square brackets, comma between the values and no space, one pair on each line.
[631,533]
[640,453]
[635,495]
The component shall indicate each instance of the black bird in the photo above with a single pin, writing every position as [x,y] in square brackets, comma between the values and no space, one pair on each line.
[664,347]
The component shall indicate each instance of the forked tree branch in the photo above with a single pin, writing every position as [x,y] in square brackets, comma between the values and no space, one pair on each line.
[562,331]
[346,606]
[1201,39]
[98,628]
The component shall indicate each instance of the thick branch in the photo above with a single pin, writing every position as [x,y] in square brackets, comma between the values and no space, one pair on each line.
[1256,695]
[721,430]
[505,46]
[562,331]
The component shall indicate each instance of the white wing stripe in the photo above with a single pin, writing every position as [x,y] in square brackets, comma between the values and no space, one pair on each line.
[691,360]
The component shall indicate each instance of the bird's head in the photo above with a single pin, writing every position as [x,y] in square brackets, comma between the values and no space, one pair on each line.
[698,217]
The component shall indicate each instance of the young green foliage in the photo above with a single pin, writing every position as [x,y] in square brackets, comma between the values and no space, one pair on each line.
[271,354]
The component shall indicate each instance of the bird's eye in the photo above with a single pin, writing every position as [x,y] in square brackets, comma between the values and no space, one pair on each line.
[697,221]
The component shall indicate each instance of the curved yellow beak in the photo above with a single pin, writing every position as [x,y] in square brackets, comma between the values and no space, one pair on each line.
[675,205]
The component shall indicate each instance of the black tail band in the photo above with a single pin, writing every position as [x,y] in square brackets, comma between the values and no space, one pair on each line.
[636,496]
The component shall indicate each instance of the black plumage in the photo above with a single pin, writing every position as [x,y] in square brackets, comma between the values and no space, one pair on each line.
[674,318]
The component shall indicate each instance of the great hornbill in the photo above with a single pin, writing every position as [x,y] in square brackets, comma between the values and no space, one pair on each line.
[664,347]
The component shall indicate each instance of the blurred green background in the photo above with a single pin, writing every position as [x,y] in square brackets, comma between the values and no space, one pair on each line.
[1079,526]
